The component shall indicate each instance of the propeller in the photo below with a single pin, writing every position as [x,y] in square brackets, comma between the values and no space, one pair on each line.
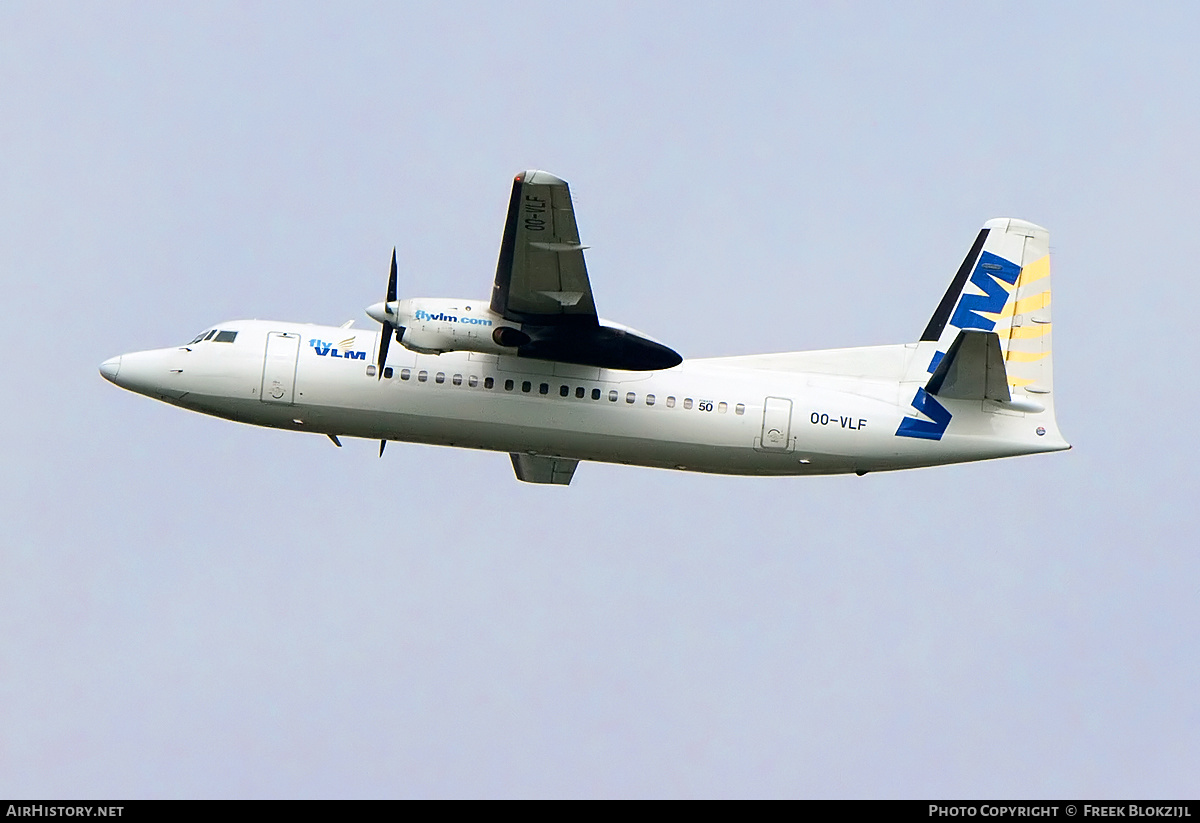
[385,314]
[389,328]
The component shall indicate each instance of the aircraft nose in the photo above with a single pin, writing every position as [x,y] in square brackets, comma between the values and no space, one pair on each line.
[110,367]
[155,373]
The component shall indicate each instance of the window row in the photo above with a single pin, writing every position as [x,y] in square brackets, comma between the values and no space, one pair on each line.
[580,392]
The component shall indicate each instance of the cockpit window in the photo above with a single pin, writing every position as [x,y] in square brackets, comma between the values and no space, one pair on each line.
[214,335]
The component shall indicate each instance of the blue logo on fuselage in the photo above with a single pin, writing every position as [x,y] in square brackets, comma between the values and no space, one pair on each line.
[328,350]
[932,429]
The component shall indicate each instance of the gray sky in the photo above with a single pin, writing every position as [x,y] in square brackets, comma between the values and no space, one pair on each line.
[190,607]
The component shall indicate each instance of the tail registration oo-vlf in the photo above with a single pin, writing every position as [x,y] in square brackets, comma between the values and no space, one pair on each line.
[534,372]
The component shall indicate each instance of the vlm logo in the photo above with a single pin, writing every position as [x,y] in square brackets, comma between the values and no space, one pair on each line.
[987,276]
[968,314]
[329,350]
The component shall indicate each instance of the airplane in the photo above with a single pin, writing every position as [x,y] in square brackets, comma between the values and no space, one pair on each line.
[536,373]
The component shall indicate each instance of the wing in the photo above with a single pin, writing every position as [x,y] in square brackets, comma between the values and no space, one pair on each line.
[540,277]
[542,285]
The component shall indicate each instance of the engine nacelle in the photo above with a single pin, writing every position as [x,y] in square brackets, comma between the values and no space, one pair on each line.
[436,325]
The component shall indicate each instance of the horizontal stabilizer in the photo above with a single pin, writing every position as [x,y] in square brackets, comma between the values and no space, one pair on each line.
[538,469]
[973,369]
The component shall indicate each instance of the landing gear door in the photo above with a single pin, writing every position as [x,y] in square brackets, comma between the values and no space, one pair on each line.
[279,367]
[777,425]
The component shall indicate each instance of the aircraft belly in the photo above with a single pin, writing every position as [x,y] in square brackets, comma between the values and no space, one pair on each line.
[581,429]
[505,427]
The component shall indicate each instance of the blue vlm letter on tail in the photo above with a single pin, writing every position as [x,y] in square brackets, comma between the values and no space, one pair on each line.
[988,271]
[931,429]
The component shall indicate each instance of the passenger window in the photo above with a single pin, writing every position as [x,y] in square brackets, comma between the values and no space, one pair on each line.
[422,376]
[387,372]
[508,385]
[670,402]
[740,408]
[441,377]
[595,394]
[629,398]
[687,402]
[649,400]
[457,379]
[722,407]
[612,396]
[405,374]
[563,391]
[472,381]
[370,371]
[526,386]
[225,337]
[580,392]
[544,388]
[488,382]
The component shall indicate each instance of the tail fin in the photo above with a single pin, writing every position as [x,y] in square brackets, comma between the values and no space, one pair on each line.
[992,325]
[1003,286]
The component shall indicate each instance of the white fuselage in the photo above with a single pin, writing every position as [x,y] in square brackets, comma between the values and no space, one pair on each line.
[821,412]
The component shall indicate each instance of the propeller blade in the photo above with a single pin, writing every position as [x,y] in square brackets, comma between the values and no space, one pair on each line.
[391,292]
[382,444]
[385,339]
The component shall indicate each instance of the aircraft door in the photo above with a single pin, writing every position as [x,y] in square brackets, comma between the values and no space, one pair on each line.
[777,425]
[279,367]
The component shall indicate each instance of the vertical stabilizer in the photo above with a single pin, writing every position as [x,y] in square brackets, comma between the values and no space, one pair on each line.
[1002,287]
